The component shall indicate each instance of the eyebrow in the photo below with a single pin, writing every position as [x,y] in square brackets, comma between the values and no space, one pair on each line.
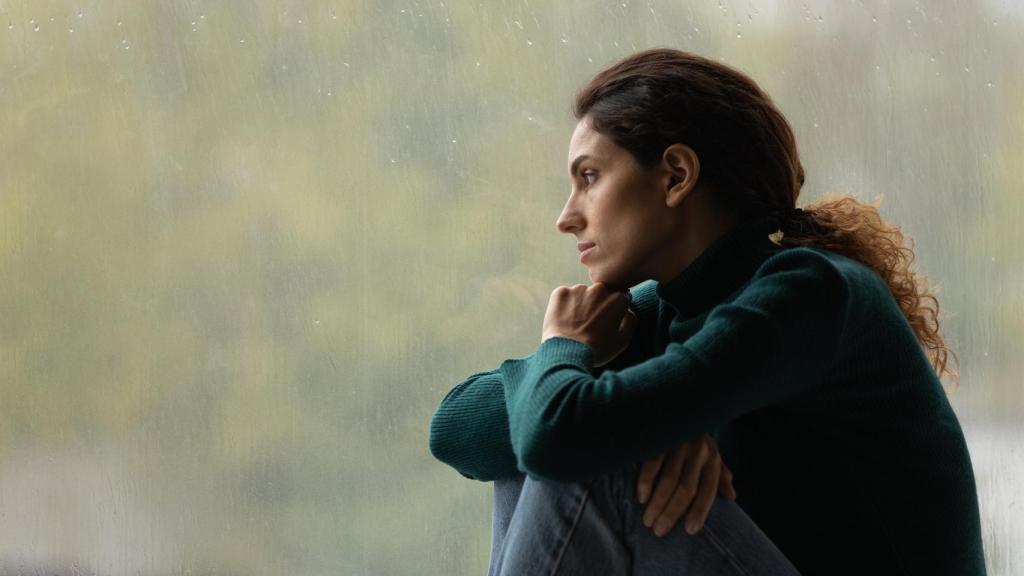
[576,163]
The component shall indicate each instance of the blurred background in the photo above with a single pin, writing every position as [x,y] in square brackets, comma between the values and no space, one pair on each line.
[246,247]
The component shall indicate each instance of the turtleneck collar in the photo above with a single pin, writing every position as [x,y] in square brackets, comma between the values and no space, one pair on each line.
[721,268]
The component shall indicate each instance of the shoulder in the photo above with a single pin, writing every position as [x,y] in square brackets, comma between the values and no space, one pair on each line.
[827,266]
[816,276]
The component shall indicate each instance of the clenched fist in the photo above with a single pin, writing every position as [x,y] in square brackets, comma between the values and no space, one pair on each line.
[594,315]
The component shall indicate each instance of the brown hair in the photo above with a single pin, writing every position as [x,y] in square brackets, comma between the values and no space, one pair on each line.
[655,98]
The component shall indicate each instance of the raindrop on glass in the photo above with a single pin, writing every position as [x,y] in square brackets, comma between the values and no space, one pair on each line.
[119,22]
[989,84]
[241,41]
[529,42]
[35,28]
[80,14]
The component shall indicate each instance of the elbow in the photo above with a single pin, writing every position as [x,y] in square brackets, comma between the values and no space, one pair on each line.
[438,440]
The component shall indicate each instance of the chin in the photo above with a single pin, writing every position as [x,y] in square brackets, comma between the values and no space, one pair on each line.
[611,279]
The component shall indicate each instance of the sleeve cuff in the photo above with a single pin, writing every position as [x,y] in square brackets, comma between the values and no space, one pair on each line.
[558,349]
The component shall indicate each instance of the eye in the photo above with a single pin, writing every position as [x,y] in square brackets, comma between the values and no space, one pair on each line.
[588,174]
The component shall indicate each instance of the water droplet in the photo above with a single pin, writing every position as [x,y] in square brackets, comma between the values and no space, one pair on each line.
[877,67]
[241,41]
[529,42]
[193,22]
[739,34]
[119,22]
[125,46]
[815,124]
[454,140]
[565,40]
[202,16]
[478,63]
[333,16]
[10,26]
[71,30]
[967,68]
[873,19]
[989,84]
[518,23]
[933,58]
[346,64]
[300,20]
[124,41]
[35,28]
[80,14]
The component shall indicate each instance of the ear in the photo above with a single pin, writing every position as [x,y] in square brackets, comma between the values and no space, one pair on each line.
[683,168]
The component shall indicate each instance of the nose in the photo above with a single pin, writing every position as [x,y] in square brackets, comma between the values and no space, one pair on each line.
[570,220]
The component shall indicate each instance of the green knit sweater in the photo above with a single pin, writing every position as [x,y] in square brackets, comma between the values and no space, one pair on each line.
[844,448]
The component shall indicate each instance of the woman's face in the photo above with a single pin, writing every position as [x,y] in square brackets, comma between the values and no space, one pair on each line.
[616,206]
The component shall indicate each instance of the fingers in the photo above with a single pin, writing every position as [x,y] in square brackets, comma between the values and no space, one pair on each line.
[706,491]
[725,487]
[667,482]
[645,479]
[686,489]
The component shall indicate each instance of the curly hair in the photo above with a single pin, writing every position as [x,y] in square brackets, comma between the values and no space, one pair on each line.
[657,97]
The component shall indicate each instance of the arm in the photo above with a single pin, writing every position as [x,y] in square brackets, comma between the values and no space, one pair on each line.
[470,430]
[771,342]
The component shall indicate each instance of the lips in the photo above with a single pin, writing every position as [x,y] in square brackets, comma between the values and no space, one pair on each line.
[584,246]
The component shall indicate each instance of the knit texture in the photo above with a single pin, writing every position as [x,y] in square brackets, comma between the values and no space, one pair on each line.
[844,448]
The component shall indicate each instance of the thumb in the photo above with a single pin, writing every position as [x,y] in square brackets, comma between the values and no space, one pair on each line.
[628,325]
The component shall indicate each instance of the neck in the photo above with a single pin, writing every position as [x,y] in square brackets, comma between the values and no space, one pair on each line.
[696,229]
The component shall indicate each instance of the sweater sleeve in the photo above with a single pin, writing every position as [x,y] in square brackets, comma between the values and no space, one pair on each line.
[772,341]
[469,431]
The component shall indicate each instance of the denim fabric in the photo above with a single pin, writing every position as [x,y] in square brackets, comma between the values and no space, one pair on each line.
[594,527]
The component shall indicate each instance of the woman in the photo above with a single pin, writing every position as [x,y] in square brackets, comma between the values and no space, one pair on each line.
[800,339]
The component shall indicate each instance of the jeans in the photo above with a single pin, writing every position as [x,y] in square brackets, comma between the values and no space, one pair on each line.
[594,527]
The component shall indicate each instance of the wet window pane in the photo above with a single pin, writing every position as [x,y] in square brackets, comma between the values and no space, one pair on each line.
[245,248]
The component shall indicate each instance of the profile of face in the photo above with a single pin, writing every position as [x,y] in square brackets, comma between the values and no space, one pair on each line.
[622,214]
